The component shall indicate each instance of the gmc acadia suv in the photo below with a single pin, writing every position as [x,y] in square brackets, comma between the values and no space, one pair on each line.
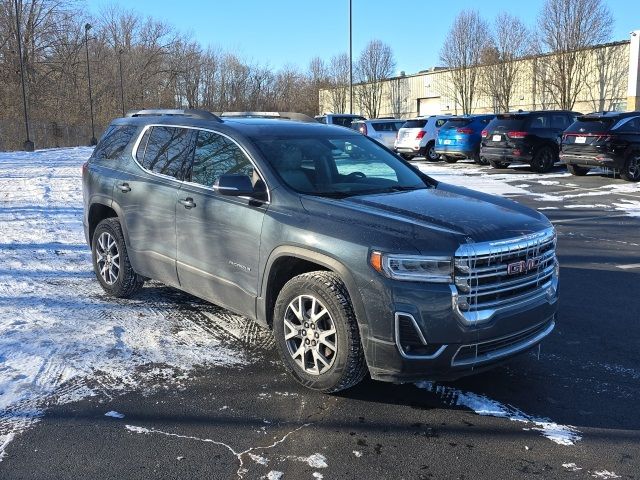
[355,259]
[604,139]
[525,137]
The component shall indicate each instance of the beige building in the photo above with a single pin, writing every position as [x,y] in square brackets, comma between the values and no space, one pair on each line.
[612,82]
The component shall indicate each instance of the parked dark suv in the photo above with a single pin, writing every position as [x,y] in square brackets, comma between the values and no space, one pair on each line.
[525,137]
[604,139]
[357,260]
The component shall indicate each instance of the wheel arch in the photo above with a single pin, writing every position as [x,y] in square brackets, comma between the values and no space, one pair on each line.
[286,262]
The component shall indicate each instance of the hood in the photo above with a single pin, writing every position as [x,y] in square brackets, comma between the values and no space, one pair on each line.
[443,211]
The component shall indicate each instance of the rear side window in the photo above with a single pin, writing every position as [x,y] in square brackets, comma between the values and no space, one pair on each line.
[560,121]
[440,122]
[414,124]
[629,125]
[113,142]
[168,151]
[216,155]
[384,126]
[539,121]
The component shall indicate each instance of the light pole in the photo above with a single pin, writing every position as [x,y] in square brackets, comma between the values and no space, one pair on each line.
[120,52]
[28,144]
[87,27]
[350,59]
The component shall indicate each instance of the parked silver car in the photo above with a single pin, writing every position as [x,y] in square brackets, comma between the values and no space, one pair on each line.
[383,130]
[417,137]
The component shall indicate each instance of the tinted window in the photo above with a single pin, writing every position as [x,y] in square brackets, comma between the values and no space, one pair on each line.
[414,124]
[321,119]
[591,125]
[385,126]
[539,121]
[456,123]
[631,125]
[345,121]
[216,155]
[142,146]
[560,121]
[507,122]
[113,142]
[168,151]
[440,122]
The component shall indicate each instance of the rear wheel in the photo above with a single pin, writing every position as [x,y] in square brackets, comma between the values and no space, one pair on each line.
[317,333]
[498,164]
[631,169]
[431,152]
[450,159]
[577,170]
[111,261]
[543,160]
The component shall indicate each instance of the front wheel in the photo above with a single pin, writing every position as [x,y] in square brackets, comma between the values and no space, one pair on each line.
[111,261]
[316,332]
[631,170]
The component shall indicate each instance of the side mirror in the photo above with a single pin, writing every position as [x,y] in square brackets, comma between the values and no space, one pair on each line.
[234,186]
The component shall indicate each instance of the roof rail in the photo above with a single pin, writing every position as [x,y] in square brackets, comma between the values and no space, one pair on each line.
[299,117]
[192,113]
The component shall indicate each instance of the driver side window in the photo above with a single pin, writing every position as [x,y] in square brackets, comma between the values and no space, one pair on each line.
[216,155]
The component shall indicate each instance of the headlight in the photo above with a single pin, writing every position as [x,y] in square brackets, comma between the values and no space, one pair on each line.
[413,267]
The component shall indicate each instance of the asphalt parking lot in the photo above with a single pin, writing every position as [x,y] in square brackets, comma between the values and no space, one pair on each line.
[568,410]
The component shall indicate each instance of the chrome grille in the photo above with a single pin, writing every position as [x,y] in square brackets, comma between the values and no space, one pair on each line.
[494,275]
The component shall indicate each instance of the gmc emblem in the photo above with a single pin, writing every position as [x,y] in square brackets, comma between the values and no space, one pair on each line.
[522,266]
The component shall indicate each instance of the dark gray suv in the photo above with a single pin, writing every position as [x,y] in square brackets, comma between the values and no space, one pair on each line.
[356,260]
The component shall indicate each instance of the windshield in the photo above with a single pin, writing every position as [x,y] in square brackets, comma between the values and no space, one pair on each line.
[338,167]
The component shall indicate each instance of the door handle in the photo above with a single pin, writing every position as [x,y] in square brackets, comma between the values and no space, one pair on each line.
[187,202]
[124,187]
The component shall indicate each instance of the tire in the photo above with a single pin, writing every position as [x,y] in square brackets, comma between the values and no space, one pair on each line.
[450,159]
[344,366]
[431,154]
[498,164]
[108,250]
[577,170]
[543,160]
[479,159]
[631,170]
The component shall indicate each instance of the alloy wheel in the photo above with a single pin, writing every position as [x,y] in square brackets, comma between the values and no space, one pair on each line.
[310,334]
[108,258]
[633,168]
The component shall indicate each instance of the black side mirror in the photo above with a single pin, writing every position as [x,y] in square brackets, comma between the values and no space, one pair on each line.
[234,186]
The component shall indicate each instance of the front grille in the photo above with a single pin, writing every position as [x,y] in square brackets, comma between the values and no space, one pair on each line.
[494,275]
[499,348]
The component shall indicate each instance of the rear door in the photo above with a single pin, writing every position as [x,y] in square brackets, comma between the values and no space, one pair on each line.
[218,237]
[146,194]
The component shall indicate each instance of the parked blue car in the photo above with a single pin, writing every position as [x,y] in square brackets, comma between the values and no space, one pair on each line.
[460,138]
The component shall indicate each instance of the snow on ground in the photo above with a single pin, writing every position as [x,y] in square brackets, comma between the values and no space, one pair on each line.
[61,337]
[482,405]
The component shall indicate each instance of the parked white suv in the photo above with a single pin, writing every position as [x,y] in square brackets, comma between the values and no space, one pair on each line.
[383,130]
[417,137]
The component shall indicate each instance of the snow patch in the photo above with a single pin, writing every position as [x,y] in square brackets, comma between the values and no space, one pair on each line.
[114,414]
[318,475]
[258,459]
[630,207]
[274,475]
[482,405]
[135,429]
[357,453]
[604,474]
[317,460]
[572,467]
[4,441]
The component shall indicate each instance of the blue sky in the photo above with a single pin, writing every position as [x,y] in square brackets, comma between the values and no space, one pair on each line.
[281,32]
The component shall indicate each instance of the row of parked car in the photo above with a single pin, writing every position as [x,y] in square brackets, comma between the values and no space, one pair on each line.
[537,138]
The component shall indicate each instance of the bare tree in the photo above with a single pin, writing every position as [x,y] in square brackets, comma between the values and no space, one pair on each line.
[376,64]
[567,28]
[462,53]
[338,72]
[509,43]
[398,94]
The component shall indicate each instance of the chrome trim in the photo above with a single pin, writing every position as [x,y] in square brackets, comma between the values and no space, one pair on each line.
[436,354]
[134,151]
[502,353]
[466,274]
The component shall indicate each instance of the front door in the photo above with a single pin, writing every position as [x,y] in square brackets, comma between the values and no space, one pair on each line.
[218,237]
